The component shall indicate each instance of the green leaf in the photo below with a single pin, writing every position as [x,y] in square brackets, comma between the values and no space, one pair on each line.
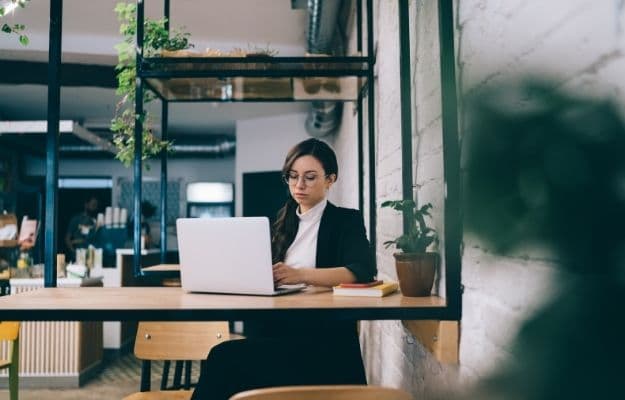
[24,40]
[156,37]
[6,28]
[418,235]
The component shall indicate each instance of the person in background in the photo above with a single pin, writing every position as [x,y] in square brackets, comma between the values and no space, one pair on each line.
[81,228]
[316,243]
[147,211]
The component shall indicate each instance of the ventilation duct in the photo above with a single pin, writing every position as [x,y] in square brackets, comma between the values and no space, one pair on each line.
[324,116]
[205,146]
[322,22]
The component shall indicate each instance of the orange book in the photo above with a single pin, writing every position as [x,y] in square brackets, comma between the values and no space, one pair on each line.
[360,285]
[380,290]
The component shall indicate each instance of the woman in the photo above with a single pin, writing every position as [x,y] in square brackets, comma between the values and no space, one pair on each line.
[316,243]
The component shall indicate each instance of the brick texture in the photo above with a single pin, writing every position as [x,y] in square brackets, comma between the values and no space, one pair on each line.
[580,44]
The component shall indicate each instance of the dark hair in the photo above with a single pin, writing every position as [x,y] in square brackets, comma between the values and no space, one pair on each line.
[285,227]
[147,209]
[88,197]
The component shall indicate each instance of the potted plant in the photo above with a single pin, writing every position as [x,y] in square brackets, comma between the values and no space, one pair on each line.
[415,265]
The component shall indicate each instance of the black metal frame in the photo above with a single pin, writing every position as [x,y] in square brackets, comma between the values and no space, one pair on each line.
[357,66]
[164,136]
[281,315]
[451,152]
[52,141]
[451,161]
[451,155]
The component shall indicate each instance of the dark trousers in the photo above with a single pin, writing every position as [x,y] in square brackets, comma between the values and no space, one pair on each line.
[239,365]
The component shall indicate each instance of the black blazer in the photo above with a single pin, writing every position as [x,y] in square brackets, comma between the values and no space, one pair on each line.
[342,242]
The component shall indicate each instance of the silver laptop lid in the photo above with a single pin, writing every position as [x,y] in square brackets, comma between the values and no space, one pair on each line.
[225,255]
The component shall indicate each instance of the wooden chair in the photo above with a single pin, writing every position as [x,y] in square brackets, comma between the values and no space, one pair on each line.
[323,392]
[9,331]
[174,341]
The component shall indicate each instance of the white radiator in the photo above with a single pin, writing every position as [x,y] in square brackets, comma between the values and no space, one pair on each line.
[53,349]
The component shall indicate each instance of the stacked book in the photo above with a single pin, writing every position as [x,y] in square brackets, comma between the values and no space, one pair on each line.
[369,289]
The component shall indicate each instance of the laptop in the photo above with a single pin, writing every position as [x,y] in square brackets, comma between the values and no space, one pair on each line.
[227,255]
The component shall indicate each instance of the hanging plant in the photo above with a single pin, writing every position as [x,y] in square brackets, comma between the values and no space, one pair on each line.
[155,39]
[17,29]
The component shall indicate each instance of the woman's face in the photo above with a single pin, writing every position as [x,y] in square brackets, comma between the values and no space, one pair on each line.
[308,183]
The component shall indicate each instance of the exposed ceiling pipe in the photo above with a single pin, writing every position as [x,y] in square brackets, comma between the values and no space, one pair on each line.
[324,116]
[211,146]
[220,147]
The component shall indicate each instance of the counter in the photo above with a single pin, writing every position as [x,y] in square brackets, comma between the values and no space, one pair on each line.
[56,353]
[118,337]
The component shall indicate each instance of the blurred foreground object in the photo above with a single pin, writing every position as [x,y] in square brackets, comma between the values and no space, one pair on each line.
[544,166]
[547,167]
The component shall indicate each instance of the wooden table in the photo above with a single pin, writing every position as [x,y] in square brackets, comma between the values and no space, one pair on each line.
[162,268]
[173,304]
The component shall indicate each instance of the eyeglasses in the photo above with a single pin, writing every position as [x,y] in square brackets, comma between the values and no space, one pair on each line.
[292,179]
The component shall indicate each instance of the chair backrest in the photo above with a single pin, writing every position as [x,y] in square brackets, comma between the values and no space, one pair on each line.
[323,392]
[179,340]
[9,330]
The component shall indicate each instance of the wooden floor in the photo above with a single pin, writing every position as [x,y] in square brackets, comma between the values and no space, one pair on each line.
[117,379]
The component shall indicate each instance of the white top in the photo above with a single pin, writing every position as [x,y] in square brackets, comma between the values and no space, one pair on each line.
[303,250]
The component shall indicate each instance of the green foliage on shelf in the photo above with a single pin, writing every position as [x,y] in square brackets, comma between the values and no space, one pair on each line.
[155,39]
[419,236]
[17,29]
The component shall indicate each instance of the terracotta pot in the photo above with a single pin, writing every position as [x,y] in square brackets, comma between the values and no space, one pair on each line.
[415,272]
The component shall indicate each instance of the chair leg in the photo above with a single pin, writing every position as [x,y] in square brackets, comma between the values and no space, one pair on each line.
[187,375]
[177,375]
[146,375]
[14,371]
[165,376]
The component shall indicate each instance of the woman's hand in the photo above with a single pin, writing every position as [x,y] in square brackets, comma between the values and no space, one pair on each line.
[327,277]
[285,275]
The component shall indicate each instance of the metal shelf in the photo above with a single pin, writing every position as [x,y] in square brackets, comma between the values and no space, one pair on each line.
[256,78]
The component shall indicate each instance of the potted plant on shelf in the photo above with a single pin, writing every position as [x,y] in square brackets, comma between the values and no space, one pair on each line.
[415,265]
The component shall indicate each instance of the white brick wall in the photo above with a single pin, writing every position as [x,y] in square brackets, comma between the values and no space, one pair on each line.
[578,43]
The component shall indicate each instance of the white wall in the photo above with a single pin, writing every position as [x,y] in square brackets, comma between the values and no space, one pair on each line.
[262,144]
[578,43]
[345,192]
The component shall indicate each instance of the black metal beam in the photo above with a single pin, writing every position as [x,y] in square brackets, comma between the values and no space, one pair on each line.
[405,82]
[359,26]
[52,141]
[451,158]
[22,147]
[361,155]
[371,125]
[36,73]
[164,136]
[359,117]
[291,315]
[138,143]
[164,126]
